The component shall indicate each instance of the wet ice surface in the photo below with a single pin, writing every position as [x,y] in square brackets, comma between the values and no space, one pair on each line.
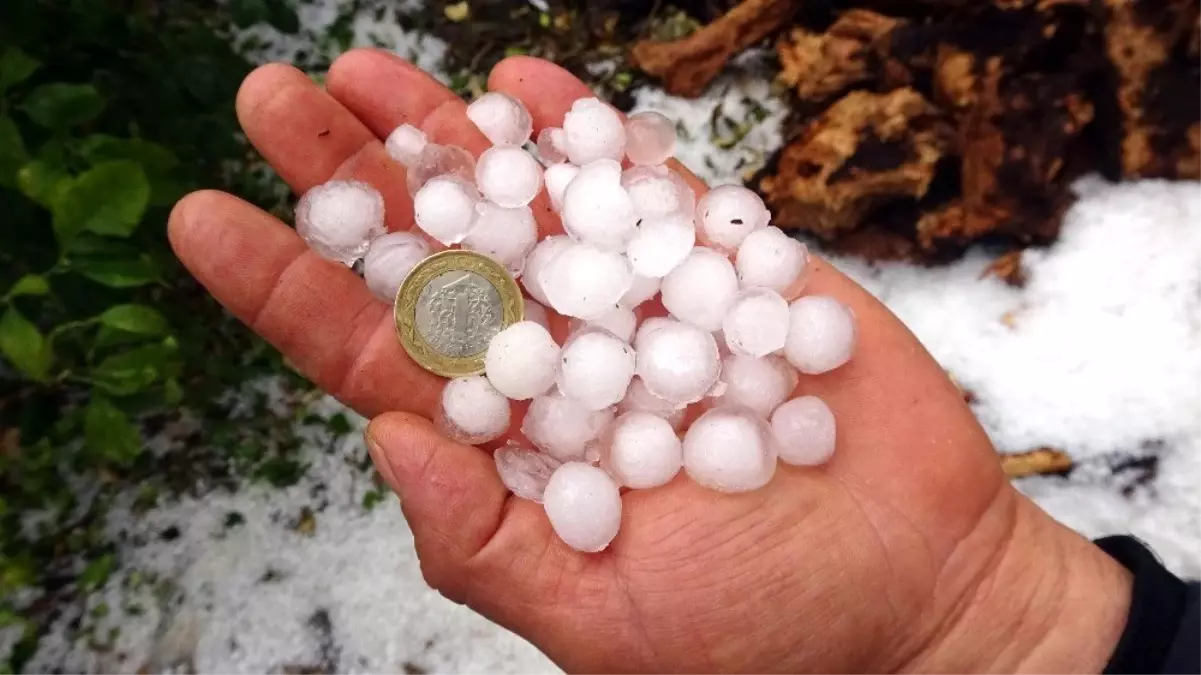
[389,259]
[339,219]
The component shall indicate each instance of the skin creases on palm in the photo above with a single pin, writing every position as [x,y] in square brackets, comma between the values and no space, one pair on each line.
[850,565]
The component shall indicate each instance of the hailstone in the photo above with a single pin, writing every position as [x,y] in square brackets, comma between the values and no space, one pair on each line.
[595,368]
[557,177]
[536,261]
[678,362]
[389,260]
[505,235]
[768,258]
[536,313]
[641,290]
[439,160]
[524,471]
[641,451]
[619,321]
[759,384]
[405,144]
[756,323]
[728,214]
[445,208]
[501,118]
[593,130]
[639,398]
[661,244]
[585,282]
[583,504]
[552,145]
[658,191]
[821,334]
[803,429]
[473,411]
[522,360]
[729,449]
[596,210]
[650,138]
[700,289]
[339,219]
[561,427]
[508,176]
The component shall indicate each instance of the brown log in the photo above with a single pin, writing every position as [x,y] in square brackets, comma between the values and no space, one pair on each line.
[1036,462]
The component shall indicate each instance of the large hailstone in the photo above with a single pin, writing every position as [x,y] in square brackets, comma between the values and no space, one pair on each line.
[700,289]
[508,176]
[405,144]
[595,368]
[557,177]
[756,324]
[544,251]
[596,210]
[505,235]
[678,362]
[473,411]
[445,208]
[641,451]
[759,384]
[522,361]
[640,399]
[821,334]
[501,118]
[524,471]
[729,449]
[803,429]
[552,145]
[583,505]
[770,259]
[658,191]
[439,160]
[728,214]
[661,244]
[641,290]
[593,130]
[585,282]
[561,427]
[648,326]
[650,138]
[619,321]
[389,260]
[339,219]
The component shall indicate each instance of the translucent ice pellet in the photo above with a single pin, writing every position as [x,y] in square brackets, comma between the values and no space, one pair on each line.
[650,138]
[821,334]
[760,384]
[551,144]
[439,160]
[501,118]
[658,191]
[561,427]
[804,431]
[505,235]
[593,130]
[473,411]
[544,251]
[583,504]
[756,324]
[729,449]
[639,398]
[405,144]
[525,471]
[557,177]
[444,208]
[508,176]
[678,362]
[522,360]
[700,289]
[389,260]
[339,219]
[768,258]
[585,282]
[727,214]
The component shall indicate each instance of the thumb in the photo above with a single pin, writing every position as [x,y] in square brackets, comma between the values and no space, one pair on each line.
[450,494]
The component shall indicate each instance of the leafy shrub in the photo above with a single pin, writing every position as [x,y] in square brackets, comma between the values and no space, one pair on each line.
[110,110]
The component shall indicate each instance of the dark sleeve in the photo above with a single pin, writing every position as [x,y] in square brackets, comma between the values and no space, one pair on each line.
[1162,633]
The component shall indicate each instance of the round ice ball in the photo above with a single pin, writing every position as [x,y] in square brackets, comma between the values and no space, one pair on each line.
[585,282]
[641,290]
[525,471]
[756,324]
[552,145]
[639,398]
[650,138]
[561,427]
[543,252]
[661,244]
[501,118]
[522,360]
[768,258]
[389,260]
[700,289]
[641,451]
[658,191]
[596,210]
[729,449]
[803,429]
[620,321]
[821,334]
[648,326]
[439,160]
[727,214]
[758,384]
[557,177]
[583,505]
[595,368]
[505,235]
[508,176]
[678,362]
[444,208]
[473,411]
[339,219]
[405,144]
[593,130]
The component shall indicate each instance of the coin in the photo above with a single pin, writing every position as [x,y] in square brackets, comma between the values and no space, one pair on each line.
[450,306]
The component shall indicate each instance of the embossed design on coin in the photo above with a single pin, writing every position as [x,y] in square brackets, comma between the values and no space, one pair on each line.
[450,306]
[458,313]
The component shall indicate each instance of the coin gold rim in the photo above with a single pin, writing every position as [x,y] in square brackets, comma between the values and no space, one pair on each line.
[405,312]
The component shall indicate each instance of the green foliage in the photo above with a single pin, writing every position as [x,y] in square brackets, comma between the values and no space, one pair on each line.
[109,112]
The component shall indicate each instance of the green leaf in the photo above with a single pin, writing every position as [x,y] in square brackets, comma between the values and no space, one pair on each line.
[117,273]
[129,372]
[97,572]
[30,284]
[109,432]
[15,67]
[24,345]
[60,105]
[12,151]
[153,157]
[172,392]
[135,319]
[41,181]
[108,199]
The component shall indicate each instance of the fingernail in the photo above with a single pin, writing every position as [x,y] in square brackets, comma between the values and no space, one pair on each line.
[380,458]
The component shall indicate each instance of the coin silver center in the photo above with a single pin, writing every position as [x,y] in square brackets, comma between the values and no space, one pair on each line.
[458,313]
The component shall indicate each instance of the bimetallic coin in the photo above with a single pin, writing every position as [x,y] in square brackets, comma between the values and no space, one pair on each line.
[450,306]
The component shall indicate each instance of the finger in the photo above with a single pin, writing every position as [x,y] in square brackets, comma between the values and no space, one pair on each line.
[318,314]
[385,91]
[309,138]
[548,91]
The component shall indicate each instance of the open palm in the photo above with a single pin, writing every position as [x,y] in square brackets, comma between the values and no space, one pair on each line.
[868,563]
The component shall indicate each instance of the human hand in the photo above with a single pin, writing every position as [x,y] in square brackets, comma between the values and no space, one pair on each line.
[907,551]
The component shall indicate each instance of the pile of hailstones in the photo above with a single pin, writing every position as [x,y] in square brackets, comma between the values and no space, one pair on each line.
[607,406]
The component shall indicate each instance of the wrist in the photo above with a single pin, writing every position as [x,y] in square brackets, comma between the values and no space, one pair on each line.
[1047,600]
